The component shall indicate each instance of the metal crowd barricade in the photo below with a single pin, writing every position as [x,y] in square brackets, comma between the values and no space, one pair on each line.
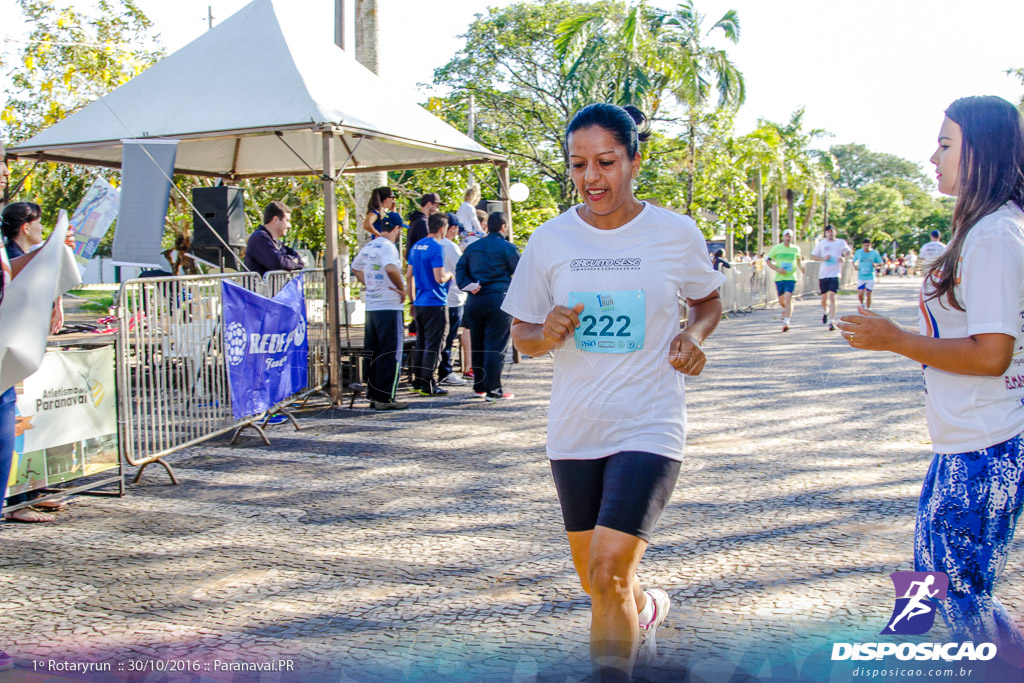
[172,377]
[746,288]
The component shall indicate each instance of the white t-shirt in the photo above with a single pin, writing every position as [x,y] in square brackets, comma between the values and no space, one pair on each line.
[452,254]
[604,403]
[833,251]
[931,251]
[372,260]
[470,223]
[967,413]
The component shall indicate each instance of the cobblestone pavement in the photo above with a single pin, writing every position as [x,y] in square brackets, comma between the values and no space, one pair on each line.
[427,545]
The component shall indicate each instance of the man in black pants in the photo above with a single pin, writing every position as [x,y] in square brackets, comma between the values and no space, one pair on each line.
[379,268]
[485,271]
[429,279]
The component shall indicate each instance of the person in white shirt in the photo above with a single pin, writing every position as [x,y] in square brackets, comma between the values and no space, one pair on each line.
[598,287]
[971,345]
[378,266]
[832,252]
[931,251]
[468,217]
[456,307]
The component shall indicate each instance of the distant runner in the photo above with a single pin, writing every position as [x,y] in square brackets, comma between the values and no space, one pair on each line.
[866,259]
[832,252]
[931,251]
[784,259]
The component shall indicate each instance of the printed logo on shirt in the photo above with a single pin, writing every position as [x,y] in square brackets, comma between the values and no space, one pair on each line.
[605,264]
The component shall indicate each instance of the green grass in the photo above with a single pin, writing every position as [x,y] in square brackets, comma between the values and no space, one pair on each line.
[93,300]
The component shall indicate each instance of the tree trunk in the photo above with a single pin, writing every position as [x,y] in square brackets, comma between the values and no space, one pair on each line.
[368,54]
[776,238]
[808,226]
[760,213]
[691,181]
[791,212]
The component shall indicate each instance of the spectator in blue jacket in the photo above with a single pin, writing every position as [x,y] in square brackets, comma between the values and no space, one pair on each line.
[265,252]
[485,271]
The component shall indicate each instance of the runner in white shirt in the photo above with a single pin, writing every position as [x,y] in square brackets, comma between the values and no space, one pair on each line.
[931,251]
[971,345]
[598,286]
[378,267]
[832,252]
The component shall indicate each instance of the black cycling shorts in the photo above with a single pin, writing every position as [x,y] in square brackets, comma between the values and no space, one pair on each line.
[627,491]
[828,284]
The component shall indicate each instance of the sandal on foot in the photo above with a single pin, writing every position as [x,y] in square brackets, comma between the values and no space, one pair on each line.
[28,516]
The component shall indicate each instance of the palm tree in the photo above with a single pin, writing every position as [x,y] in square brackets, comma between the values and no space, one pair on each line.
[640,54]
[697,70]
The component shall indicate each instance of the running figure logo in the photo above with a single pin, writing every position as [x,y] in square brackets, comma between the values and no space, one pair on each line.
[917,596]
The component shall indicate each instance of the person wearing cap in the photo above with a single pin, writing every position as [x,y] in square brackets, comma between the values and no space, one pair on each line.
[784,259]
[832,252]
[931,251]
[378,266]
[429,280]
[866,258]
[430,203]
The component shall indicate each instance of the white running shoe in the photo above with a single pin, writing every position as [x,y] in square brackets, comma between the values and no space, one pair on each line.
[453,380]
[647,647]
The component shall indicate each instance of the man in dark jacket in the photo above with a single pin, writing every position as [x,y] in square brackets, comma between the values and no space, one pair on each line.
[265,252]
[430,203]
[485,271]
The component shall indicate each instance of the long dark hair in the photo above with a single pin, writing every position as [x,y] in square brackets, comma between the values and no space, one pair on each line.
[377,198]
[991,174]
[16,215]
[628,125]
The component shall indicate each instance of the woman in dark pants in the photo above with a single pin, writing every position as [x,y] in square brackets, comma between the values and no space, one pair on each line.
[485,271]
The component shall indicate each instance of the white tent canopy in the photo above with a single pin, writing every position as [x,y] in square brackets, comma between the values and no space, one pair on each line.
[234,95]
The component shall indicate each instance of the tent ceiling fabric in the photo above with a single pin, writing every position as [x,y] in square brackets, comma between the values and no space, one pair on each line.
[226,93]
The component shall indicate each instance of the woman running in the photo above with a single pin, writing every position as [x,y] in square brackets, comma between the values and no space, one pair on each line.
[599,287]
[970,343]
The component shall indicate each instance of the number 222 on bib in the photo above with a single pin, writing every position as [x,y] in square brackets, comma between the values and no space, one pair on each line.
[611,322]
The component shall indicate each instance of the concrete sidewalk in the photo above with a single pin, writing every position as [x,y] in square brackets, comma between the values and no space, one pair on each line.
[427,544]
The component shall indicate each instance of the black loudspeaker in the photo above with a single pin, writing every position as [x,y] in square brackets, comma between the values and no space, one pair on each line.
[223,208]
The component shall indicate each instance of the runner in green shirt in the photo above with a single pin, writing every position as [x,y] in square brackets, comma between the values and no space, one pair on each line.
[784,259]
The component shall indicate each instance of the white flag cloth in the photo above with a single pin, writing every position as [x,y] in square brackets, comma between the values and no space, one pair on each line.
[28,303]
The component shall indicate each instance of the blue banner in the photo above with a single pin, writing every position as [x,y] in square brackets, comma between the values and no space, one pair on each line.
[265,345]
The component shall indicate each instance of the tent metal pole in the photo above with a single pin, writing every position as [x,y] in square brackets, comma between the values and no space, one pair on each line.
[506,202]
[331,278]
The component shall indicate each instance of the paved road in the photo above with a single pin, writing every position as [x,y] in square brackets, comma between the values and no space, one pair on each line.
[426,545]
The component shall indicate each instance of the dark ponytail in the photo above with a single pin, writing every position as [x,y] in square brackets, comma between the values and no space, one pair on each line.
[628,125]
[16,215]
[377,198]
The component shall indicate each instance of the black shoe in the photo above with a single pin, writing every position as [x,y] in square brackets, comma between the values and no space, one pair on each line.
[499,396]
[824,319]
[388,405]
[438,391]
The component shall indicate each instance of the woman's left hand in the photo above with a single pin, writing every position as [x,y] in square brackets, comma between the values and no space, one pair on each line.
[869,331]
[685,355]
